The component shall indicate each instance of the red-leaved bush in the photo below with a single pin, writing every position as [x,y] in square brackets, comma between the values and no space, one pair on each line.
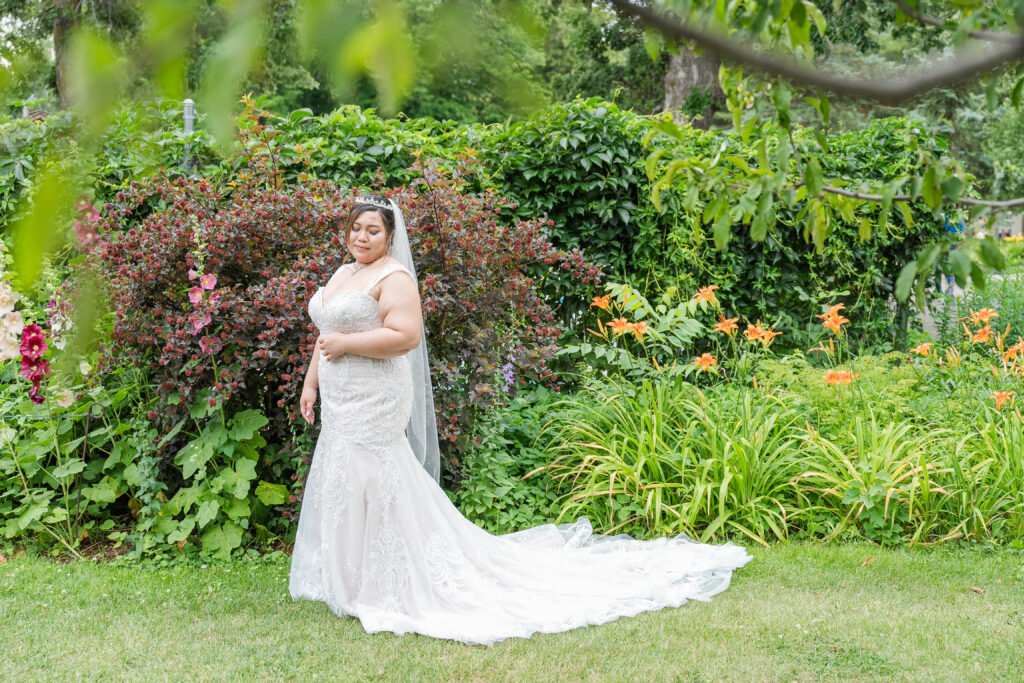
[210,286]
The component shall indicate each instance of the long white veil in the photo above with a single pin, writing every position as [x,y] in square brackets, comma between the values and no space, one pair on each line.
[422,428]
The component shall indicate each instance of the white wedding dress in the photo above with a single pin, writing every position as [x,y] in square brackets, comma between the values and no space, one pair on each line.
[379,540]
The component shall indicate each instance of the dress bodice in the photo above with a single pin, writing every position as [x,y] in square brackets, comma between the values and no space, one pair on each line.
[349,310]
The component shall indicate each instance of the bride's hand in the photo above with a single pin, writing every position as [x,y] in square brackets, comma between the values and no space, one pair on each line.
[331,345]
[306,403]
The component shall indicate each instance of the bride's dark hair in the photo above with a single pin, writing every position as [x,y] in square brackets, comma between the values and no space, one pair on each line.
[361,207]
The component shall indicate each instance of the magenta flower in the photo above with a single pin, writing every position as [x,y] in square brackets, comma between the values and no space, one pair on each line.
[33,342]
[192,274]
[34,370]
[208,281]
[195,295]
[214,298]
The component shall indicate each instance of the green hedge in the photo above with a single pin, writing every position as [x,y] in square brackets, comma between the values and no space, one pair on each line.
[581,164]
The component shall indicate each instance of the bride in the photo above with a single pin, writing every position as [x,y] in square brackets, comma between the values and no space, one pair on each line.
[379,540]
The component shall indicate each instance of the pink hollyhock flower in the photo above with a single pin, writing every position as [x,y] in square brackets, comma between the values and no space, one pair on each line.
[33,393]
[33,342]
[210,344]
[8,297]
[86,235]
[8,349]
[214,299]
[199,323]
[195,295]
[192,274]
[11,326]
[65,398]
[82,203]
[208,281]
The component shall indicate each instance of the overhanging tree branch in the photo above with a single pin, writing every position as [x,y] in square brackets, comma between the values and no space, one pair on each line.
[969,61]
[994,36]
[971,201]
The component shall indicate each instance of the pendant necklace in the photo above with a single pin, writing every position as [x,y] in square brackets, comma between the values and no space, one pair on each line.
[360,266]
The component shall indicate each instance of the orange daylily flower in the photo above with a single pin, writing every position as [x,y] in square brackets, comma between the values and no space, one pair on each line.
[707,294]
[726,325]
[983,335]
[768,335]
[1001,397]
[923,349]
[602,302]
[953,356]
[705,361]
[835,323]
[620,325]
[983,317]
[1014,351]
[833,311]
[839,377]
[638,329]
[832,320]
[754,332]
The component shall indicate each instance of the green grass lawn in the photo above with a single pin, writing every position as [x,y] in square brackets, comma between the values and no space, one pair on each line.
[795,612]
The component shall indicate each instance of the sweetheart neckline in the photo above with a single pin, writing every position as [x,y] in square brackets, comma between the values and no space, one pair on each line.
[324,304]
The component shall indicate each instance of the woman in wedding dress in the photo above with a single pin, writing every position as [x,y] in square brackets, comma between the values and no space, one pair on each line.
[379,540]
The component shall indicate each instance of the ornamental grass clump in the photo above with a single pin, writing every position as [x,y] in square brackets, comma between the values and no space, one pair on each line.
[666,458]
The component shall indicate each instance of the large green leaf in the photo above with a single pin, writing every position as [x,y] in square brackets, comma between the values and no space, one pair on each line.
[905,281]
[271,494]
[221,539]
[246,424]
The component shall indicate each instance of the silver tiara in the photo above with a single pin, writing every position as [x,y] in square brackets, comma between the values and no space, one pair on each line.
[374,202]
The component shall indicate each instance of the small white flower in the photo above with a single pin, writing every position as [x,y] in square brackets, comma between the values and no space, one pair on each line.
[65,398]
[84,368]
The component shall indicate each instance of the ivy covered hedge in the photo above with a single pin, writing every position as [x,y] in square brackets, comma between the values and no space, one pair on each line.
[584,167]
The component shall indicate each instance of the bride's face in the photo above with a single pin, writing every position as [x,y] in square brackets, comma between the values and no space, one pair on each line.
[368,238]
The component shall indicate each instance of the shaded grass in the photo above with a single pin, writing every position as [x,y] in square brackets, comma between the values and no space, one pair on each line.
[796,611]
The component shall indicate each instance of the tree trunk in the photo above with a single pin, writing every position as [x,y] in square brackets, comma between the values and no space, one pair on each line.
[689,75]
[63,23]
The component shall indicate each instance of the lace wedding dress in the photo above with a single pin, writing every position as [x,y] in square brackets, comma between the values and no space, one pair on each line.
[379,540]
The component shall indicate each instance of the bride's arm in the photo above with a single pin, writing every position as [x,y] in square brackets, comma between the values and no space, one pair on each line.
[309,387]
[400,313]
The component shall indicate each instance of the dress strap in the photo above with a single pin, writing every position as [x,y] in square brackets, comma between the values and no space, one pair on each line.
[384,272]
